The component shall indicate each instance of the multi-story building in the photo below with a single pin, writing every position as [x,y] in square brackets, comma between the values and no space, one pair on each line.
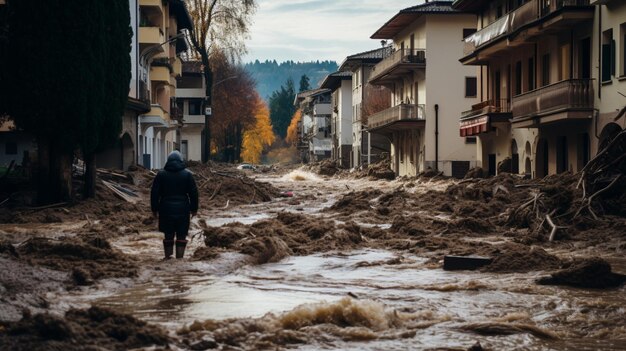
[536,61]
[161,39]
[366,147]
[429,89]
[315,110]
[190,93]
[340,85]
[609,56]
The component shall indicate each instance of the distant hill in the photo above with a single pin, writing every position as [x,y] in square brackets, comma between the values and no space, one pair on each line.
[270,75]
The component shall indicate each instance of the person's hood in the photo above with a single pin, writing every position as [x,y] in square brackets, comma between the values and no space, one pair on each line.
[175,162]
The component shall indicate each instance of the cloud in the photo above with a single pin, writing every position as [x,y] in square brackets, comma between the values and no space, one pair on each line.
[302,30]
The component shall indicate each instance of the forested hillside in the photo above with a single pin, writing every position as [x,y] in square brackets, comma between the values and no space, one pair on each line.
[270,75]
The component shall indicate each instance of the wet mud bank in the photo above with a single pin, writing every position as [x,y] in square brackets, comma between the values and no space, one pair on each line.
[305,261]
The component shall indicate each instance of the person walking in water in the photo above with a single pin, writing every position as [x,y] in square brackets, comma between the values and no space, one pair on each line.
[174,200]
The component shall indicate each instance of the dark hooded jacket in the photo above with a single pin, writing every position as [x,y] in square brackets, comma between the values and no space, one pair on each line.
[174,192]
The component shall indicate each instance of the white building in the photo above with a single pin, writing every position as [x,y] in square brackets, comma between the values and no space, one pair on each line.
[366,147]
[190,93]
[315,127]
[340,85]
[429,90]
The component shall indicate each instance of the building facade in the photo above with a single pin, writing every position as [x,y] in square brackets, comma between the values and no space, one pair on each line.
[340,85]
[315,132]
[190,93]
[539,85]
[366,147]
[161,40]
[429,89]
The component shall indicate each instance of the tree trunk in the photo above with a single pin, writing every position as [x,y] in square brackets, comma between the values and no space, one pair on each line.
[89,190]
[208,78]
[55,174]
[238,140]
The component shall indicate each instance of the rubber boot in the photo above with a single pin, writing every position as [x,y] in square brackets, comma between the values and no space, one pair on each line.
[168,248]
[180,248]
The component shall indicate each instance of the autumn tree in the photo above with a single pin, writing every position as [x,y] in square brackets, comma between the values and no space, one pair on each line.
[260,135]
[218,25]
[67,75]
[292,130]
[282,108]
[377,98]
[235,106]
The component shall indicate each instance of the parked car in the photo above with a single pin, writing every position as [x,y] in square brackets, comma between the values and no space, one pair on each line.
[246,166]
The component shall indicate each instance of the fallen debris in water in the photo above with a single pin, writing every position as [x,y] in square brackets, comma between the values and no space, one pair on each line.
[590,273]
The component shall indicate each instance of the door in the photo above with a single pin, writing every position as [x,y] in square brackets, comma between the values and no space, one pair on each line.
[492,164]
[585,59]
[497,86]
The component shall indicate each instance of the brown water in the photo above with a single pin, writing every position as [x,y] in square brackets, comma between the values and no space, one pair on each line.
[397,302]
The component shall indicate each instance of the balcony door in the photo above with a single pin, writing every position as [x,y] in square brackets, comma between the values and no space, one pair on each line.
[584,70]
[497,86]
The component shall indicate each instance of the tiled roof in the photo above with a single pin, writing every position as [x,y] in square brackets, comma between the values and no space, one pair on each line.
[333,80]
[308,93]
[379,53]
[408,15]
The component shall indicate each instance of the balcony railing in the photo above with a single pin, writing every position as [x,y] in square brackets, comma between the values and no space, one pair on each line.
[144,92]
[514,20]
[401,56]
[402,112]
[567,94]
[486,107]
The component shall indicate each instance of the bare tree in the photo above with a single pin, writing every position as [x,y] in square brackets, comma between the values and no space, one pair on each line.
[218,25]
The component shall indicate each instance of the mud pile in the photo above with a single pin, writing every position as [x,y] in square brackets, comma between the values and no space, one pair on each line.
[289,233]
[92,329]
[87,258]
[315,324]
[219,184]
[588,273]
[381,170]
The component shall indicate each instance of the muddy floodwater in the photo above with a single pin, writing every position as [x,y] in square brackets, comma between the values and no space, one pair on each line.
[405,301]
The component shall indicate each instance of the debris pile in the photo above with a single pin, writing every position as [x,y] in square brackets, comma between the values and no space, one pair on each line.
[90,329]
[593,273]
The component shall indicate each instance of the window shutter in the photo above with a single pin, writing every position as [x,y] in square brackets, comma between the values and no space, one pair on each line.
[606,62]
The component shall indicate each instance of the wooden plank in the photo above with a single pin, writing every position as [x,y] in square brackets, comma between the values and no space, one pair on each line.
[453,263]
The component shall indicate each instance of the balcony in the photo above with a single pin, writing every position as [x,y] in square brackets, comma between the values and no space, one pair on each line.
[483,115]
[160,74]
[151,36]
[533,18]
[400,117]
[568,99]
[144,92]
[152,4]
[397,65]
[177,67]
[193,119]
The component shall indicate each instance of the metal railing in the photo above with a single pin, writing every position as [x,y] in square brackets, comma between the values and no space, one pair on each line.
[488,106]
[567,94]
[401,56]
[402,112]
[514,20]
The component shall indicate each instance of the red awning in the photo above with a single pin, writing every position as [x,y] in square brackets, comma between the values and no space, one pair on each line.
[474,126]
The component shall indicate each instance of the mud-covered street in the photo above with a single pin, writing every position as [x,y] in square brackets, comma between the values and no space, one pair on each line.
[341,262]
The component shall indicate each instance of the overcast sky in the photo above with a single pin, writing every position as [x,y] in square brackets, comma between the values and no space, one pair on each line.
[304,30]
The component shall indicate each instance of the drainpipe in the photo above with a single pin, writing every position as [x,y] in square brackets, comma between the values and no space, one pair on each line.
[437,137]
[369,148]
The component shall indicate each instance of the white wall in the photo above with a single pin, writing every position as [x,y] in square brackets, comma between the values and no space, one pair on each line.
[445,86]
[345,113]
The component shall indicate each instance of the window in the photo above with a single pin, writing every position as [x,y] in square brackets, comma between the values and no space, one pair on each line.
[545,70]
[623,50]
[531,74]
[468,31]
[518,77]
[471,87]
[11,148]
[195,107]
[608,55]
[470,140]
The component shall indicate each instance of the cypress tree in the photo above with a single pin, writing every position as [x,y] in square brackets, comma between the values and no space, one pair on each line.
[59,62]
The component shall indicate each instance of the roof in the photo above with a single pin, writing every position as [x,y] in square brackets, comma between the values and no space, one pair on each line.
[406,16]
[183,20]
[371,56]
[309,94]
[469,5]
[333,80]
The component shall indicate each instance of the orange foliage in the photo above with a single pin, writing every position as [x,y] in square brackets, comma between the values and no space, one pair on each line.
[259,135]
[292,130]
